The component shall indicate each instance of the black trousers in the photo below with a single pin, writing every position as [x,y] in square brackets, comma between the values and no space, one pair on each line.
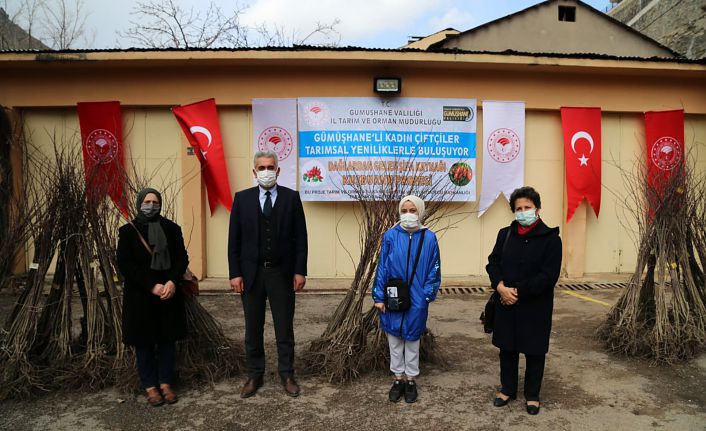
[155,363]
[270,285]
[534,372]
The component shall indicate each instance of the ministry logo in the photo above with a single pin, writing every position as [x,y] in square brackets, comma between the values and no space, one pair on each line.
[503,145]
[276,139]
[101,146]
[666,153]
[316,113]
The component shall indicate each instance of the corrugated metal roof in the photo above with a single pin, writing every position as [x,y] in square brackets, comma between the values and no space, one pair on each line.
[302,48]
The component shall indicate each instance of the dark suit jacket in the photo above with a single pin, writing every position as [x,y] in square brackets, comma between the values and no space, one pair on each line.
[243,235]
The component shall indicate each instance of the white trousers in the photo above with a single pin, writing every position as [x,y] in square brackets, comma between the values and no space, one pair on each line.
[404,356]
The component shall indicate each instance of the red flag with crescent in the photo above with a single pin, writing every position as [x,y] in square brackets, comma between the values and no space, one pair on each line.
[665,145]
[199,121]
[102,143]
[582,155]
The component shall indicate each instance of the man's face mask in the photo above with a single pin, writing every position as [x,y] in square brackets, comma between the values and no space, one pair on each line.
[266,178]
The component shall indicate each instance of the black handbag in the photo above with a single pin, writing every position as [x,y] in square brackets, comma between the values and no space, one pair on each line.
[397,290]
[488,315]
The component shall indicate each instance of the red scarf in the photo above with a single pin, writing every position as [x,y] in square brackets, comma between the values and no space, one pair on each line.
[523,230]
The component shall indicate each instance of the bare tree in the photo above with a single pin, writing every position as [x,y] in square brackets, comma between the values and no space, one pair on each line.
[63,22]
[165,24]
[275,35]
[18,25]
[40,24]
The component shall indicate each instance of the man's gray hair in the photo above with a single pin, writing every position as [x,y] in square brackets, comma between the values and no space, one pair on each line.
[268,154]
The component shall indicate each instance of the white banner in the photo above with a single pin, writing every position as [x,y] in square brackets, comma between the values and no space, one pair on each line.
[275,128]
[503,150]
[369,141]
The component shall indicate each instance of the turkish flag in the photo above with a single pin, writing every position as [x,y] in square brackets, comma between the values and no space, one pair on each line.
[102,142]
[665,145]
[582,155]
[199,121]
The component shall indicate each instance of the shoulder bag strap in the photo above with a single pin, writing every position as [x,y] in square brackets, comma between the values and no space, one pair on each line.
[142,239]
[416,259]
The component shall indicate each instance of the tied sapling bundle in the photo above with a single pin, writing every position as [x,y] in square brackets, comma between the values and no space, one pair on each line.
[353,342]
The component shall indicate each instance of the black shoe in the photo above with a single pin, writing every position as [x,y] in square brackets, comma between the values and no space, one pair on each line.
[410,392]
[533,410]
[499,402]
[398,388]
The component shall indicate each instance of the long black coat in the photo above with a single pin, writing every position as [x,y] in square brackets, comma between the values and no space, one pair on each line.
[147,319]
[244,231]
[530,263]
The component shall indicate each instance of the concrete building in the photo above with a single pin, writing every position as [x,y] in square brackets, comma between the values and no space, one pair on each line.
[557,26]
[678,24]
[13,36]
[423,42]
[43,88]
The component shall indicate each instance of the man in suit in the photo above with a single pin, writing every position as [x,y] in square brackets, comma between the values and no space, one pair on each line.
[267,253]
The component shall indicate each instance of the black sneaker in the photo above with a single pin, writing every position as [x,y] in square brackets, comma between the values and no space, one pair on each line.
[398,388]
[410,392]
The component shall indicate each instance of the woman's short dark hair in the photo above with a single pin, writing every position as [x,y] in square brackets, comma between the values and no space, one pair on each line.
[525,192]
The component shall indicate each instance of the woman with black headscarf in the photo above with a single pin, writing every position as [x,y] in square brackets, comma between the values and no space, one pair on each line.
[152,258]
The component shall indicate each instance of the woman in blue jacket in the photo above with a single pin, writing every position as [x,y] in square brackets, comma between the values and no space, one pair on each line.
[397,259]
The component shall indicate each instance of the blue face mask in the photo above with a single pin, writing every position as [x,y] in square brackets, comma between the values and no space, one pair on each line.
[526,218]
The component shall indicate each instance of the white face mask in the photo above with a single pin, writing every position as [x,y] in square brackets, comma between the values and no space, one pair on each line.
[409,221]
[266,178]
[526,218]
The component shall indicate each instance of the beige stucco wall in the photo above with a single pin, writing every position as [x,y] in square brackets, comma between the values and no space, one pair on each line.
[539,30]
[152,145]
[155,144]
[46,95]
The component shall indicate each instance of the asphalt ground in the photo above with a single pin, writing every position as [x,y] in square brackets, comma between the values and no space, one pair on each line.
[584,387]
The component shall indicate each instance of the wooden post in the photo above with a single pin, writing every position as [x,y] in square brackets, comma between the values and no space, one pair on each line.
[193,210]
[575,242]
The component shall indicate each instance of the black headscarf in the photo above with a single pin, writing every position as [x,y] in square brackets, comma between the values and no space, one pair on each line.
[155,234]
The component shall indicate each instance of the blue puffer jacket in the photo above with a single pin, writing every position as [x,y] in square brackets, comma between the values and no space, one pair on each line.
[392,264]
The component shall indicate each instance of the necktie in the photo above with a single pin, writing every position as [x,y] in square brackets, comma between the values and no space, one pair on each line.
[267,209]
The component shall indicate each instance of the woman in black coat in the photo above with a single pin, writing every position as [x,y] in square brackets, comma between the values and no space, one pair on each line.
[153,306]
[523,268]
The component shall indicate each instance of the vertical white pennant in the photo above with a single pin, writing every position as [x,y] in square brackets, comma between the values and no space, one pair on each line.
[503,150]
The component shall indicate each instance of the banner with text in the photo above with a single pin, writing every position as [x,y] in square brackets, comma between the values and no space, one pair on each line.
[349,144]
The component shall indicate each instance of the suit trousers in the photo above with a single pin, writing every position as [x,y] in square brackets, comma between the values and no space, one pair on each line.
[270,285]
[534,372]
